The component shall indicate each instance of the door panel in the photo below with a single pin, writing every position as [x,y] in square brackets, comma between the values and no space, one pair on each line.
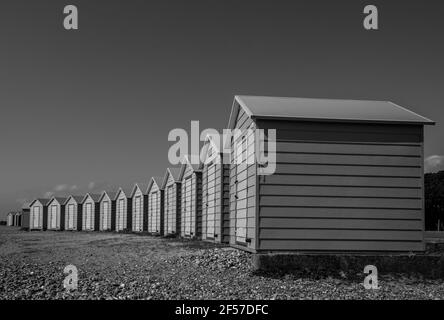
[137,223]
[105,215]
[70,224]
[53,217]
[187,196]
[154,218]
[211,201]
[121,215]
[244,150]
[170,214]
[36,217]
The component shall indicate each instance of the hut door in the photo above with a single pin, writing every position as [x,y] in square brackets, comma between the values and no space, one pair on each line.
[105,215]
[120,215]
[71,216]
[187,203]
[88,220]
[154,213]
[211,201]
[138,214]
[241,191]
[36,217]
[53,221]
[169,215]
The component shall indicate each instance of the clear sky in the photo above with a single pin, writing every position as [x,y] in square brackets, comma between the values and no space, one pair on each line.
[91,109]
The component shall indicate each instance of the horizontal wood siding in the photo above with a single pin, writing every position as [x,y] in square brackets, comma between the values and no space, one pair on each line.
[155,210]
[105,213]
[343,188]
[71,214]
[191,200]
[54,215]
[89,215]
[138,213]
[215,198]
[26,219]
[172,204]
[225,203]
[121,212]
[242,203]
[36,216]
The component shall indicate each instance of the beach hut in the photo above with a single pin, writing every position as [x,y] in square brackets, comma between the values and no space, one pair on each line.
[139,208]
[348,176]
[17,218]
[56,213]
[73,213]
[215,195]
[172,201]
[107,211]
[90,212]
[190,176]
[38,218]
[24,219]
[10,219]
[123,210]
[155,206]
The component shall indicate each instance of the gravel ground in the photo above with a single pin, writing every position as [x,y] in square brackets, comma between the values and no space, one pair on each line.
[128,266]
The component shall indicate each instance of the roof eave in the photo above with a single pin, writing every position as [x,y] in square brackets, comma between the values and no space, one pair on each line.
[264,117]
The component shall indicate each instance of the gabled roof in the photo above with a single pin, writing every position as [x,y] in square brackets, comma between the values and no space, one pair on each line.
[126,192]
[25,206]
[111,195]
[154,180]
[185,164]
[335,110]
[58,199]
[77,199]
[93,196]
[43,201]
[204,152]
[142,186]
[174,172]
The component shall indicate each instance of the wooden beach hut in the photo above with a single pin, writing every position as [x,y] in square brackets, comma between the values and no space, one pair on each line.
[172,201]
[90,212]
[73,213]
[155,195]
[348,176]
[123,210]
[139,208]
[56,213]
[107,205]
[191,200]
[215,195]
[38,214]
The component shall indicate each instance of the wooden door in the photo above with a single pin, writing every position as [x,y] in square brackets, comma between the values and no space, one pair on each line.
[105,216]
[53,217]
[211,201]
[187,196]
[36,220]
[70,224]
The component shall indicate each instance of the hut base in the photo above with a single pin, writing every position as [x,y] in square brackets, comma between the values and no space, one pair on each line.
[428,265]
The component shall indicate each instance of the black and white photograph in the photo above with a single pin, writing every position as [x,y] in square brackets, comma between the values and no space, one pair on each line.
[221,156]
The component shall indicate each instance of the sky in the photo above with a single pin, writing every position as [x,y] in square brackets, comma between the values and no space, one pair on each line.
[90,109]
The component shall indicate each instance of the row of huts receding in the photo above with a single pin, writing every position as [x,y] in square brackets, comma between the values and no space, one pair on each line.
[181,203]
[13,219]
[348,177]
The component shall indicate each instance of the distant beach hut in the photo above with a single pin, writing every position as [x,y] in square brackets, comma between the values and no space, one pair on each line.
[155,206]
